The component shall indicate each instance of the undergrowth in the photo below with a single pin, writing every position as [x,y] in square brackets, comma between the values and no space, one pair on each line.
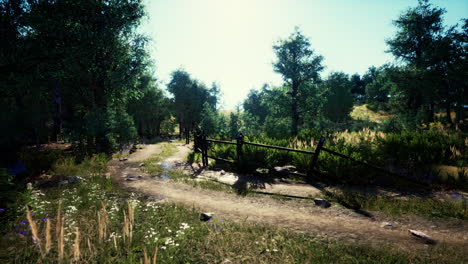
[401,206]
[92,222]
[411,155]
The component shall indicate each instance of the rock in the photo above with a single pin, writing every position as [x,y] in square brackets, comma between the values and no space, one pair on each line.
[285,170]
[222,172]
[131,178]
[123,159]
[322,203]
[386,225]
[141,165]
[75,179]
[421,235]
[63,182]
[206,216]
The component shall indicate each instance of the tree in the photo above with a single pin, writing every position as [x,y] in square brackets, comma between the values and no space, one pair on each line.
[234,123]
[149,110]
[190,97]
[450,69]
[71,68]
[255,103]
[415,42]
[378,90]
[209,120]
[359,87]
[339,100]
[298,64]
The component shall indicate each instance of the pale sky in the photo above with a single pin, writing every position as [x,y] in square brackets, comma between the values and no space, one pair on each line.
[230,41]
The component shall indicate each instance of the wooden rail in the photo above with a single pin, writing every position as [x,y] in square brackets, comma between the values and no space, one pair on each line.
[201,145]
[279,148]
[221,141]
[359,162]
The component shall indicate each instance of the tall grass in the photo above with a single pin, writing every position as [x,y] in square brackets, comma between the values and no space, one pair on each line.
[398,206]
[409,154]
[89,167]
[128,229]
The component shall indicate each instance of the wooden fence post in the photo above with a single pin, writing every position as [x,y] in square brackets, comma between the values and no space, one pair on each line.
[204,150]
[317,153]
[187,136]
[240,142]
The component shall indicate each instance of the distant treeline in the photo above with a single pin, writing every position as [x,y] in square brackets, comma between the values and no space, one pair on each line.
[79,71]
[427,83]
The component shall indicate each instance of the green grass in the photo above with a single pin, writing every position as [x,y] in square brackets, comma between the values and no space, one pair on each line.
[152,166]
[399,206]
[178,234]
[175,231]
[92,166]
[410,206]
[179,175]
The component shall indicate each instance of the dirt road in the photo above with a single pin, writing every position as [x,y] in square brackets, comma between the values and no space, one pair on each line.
[335,222]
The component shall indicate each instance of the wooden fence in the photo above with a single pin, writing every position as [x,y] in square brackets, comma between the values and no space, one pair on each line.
[201,145]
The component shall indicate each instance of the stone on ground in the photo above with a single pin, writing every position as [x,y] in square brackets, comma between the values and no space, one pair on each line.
[322,203]
[206,216]
[422,236]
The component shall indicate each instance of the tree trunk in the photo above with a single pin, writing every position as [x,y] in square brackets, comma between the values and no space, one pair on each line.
[448,111]
[181,127]
[57,119]
[448,103]
[431,112]
[294,113]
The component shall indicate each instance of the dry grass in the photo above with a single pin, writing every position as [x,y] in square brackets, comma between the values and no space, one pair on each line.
[362,112]
[48,236]
[76,247]
[127,229]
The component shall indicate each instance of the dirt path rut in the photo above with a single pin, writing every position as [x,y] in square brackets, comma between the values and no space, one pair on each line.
[303,216]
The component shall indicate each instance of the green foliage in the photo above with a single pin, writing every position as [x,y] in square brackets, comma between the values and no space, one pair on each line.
[210,120]
[434,58]
[9,192]
[339,100]
[190,97]
[296,60]
[151,112]
[298,65]
[89,167]
[180,236]
[409,154]
[70,68]
[396,206]
[234,124]
[277,127]
[255,104]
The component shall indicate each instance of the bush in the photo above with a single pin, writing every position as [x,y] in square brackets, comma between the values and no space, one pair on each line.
[89,167]
[409,154]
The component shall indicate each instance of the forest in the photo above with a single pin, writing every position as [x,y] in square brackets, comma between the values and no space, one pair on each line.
[78,88]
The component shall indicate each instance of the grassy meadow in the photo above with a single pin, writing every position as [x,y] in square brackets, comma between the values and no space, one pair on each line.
[94,221]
